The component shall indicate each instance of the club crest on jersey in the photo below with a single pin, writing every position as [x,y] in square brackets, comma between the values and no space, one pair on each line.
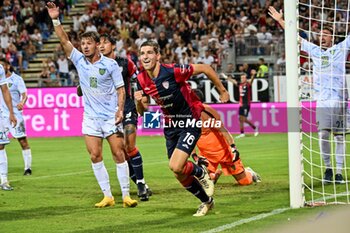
[165,84]
[9,85]
[102,71]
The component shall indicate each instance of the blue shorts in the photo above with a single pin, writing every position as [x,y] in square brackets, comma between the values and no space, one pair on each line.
[130,113]
[244,111]
[183,139]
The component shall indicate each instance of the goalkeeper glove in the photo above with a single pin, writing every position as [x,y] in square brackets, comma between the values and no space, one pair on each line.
[234,152]
[200,160]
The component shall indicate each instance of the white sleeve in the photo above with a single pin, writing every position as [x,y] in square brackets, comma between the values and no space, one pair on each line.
[2,76]
[75,56]
[21,86]
[347,42]
[308,47]
[116,76]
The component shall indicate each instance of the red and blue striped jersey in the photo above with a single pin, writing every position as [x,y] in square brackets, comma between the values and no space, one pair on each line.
[171,91]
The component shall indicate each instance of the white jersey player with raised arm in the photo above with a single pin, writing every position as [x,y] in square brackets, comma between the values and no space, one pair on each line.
[329,84]
[99,82]
[331,95]
[16,87]
[329,71]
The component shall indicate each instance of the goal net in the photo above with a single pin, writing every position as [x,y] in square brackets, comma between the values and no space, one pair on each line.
[323,61]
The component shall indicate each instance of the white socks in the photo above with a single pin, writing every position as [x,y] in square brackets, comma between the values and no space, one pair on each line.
[102,177]
[325,147]
[339,152]
[123,177]
[27,157]
[3,166]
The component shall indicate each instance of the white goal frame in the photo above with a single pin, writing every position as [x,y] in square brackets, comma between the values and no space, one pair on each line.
[296,190]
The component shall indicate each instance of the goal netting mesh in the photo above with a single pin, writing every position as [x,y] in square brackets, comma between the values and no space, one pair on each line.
[323,75]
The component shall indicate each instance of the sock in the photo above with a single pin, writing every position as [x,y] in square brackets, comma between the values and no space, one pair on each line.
[123,178]
[131,172]
[339,152]
[192,169]
[136,162]
[192,185]
[325,147]
[102,178]
[3,166]
[253,126]
[27,157]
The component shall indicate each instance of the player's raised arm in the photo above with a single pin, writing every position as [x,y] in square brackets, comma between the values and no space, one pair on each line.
[211,74]
[278,16]
[61,34]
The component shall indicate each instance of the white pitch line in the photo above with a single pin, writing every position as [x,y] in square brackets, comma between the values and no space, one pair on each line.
[246,220]
[73,173]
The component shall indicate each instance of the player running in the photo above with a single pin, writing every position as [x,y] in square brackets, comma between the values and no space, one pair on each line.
[129,71]
[104,96]
[245,95]
[4,185]
[330,93]
[217,147]
[166,84]
[19,97]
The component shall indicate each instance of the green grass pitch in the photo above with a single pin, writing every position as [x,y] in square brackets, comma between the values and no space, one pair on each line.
[61,193]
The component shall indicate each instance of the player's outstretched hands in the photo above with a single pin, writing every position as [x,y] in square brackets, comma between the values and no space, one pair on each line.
[53,11]
[224,97]
[275,14]
[138,95]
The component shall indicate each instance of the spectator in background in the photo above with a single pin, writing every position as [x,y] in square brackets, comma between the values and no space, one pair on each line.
[265,39]
[141,39]
[281,63]
[54,78]
[44,78]
[90,27]
[252,43]
[263,69]
[63,71]
[162,40]
[207,58]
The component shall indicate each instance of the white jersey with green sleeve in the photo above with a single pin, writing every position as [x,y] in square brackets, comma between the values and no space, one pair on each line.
[98,82]
[16,87]
[329,71]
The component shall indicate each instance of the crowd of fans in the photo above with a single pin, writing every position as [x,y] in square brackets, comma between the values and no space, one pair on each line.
[187,31]
[24,26]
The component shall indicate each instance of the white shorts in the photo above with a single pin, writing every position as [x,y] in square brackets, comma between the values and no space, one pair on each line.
[19,131]
[332,115]
[102,128]
[3,132]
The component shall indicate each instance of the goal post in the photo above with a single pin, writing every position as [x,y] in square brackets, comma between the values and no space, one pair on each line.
[296,190]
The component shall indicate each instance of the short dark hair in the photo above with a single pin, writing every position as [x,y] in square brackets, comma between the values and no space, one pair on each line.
[91,34]
[328,28]
[109,38]
[151,43]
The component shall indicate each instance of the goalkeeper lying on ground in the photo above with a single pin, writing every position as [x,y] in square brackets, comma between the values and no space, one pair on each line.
[216,146]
